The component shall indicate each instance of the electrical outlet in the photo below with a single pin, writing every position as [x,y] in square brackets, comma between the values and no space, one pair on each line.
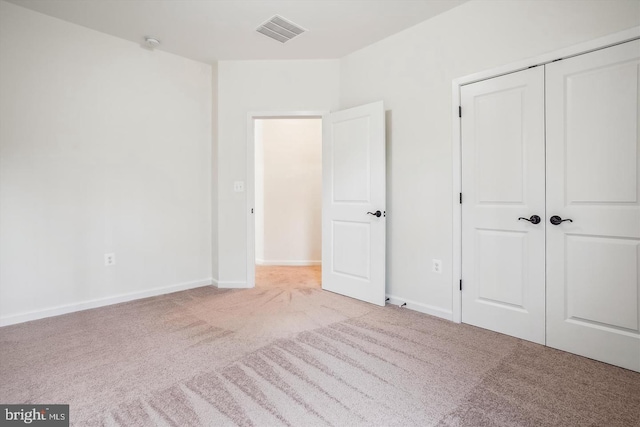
[238,186]
[437,266]
[109,259]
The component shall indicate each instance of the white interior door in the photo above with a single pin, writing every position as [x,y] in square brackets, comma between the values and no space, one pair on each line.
[503,264]
[353,190]
[593,176]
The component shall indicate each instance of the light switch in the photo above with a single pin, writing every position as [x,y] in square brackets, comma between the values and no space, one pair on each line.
[238,186]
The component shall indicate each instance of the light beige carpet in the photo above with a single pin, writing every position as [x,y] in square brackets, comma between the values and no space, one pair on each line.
[288,277]
[286,354]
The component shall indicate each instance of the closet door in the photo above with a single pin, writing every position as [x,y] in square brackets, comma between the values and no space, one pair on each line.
[593,187]
[503,260]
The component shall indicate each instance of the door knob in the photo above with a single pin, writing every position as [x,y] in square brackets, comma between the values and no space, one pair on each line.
[376,213]
[535,219]
[556,220]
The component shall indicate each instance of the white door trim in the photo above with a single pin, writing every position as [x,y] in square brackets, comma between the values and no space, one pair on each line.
[250,190]
[600,43]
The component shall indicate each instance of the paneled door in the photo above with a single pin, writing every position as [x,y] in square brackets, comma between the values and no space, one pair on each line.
[353,203]
[593,205]
[503,226]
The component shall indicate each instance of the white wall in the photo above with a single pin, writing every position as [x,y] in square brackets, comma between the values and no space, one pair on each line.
[104,147]
[257,86]
[289,198]
[412,73]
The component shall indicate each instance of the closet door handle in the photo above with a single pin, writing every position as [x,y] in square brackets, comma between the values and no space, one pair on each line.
[535,219]
[556,220]
[376,213]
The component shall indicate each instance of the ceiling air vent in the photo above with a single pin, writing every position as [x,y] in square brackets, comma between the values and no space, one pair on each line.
[280,29]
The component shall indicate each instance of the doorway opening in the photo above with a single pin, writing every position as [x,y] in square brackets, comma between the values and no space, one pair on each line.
[287,202]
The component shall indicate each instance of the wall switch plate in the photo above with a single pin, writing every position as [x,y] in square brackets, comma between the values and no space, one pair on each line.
[437,266]
[238,186]
[109,259]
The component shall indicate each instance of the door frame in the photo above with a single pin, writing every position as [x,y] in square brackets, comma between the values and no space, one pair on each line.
[250,190]
[456,139]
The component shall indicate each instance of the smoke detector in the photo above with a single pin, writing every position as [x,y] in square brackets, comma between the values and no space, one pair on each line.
[280,29]
[151,42]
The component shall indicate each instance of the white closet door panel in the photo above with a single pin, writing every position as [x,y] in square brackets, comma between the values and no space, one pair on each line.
[593,178]
[502,180]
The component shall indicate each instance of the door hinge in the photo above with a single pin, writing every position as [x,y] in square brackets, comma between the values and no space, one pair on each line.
[460,284]
[460,198]
[460,111]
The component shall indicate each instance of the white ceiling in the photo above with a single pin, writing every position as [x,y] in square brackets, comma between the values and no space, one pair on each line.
[210,30]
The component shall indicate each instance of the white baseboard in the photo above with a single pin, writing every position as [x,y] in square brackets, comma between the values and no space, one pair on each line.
[100,302]
[295,263]
[229,284]
[422,308]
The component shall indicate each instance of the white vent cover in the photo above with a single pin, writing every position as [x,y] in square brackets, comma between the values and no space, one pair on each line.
[280,29]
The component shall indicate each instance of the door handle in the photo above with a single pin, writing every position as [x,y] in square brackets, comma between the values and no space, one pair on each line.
[556,220]
[535,219]
[376,213]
